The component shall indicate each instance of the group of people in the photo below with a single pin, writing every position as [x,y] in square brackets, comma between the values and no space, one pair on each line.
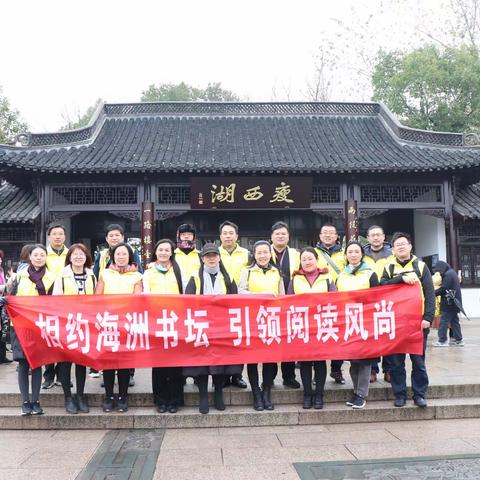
[271,267]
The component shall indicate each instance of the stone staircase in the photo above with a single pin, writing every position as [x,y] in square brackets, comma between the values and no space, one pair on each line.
[444,401]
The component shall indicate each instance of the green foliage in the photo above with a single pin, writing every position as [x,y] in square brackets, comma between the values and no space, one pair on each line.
[10,123]
[182,92]
[430,88]
[82,120]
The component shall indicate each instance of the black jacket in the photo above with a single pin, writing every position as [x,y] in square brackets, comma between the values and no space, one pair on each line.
[449,282]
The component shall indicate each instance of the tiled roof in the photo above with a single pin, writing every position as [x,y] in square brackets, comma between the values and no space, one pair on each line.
[467,201]
[17,205]
[240,138]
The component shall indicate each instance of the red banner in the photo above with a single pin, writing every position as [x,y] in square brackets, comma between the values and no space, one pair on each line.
[127,331]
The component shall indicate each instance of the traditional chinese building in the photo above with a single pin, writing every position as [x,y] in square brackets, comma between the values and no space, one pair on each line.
[252,163]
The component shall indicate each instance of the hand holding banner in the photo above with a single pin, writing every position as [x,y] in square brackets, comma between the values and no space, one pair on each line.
[137,331]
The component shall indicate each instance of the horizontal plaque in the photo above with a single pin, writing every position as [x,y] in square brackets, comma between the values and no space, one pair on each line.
[225,193]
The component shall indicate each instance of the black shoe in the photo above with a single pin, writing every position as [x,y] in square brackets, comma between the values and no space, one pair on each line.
[82,404]
[162,408]
[47,384]
[37,409]
[71,406]
[338,377]
[218,399]
[291,383]
[257,400]
[307,402]
[238,382]
[107,404]
[420,402]
[131,382]
[267,398]
[6,360]
[359,403]
[399,402]
[122,404]
[26,409]
[349,403]
[173,408]
[318,401]
[203,407]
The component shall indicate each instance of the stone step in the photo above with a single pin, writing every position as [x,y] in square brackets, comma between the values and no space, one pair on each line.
[240,416]
[235,396]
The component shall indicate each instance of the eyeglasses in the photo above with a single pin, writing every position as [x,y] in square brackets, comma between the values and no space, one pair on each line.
[400,245]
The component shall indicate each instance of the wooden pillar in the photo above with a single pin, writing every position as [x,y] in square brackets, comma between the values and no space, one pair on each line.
[452,230]
[147,232]
[351,220]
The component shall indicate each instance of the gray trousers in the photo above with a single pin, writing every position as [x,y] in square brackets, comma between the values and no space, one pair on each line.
[360,373]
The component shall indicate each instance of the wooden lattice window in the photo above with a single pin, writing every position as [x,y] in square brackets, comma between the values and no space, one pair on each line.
[401,193]
[94,195]
[173,194]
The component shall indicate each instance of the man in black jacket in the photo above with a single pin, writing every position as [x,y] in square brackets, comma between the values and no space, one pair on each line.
[407,268]
[448,309]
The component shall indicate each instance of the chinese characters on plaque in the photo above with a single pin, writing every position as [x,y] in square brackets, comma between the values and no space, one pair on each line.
[251,192]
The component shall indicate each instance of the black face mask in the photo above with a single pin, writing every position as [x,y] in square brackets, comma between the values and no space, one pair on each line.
[186,245]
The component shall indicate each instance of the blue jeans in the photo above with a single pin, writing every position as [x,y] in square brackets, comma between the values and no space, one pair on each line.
[419,373]
[449,317]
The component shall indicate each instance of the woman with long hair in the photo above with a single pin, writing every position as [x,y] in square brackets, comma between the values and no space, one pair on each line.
[357,275]
[311,279]
[76,278]
[163,277]
[122,276]
[261,277]
[31,281]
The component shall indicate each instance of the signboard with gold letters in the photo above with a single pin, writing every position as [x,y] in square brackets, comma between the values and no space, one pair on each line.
[250,192]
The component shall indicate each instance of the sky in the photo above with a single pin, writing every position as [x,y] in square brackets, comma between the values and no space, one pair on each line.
[59,57]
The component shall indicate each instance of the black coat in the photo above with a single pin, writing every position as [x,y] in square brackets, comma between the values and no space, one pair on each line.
[449,282]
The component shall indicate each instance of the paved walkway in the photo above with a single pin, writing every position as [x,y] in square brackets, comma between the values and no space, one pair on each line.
[244,453]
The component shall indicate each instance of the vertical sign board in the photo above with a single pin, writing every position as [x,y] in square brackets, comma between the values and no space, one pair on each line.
[148,232]
[351,220]
[248,193]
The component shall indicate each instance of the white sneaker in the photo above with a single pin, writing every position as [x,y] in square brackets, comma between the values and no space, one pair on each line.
[440,344]
[458,343]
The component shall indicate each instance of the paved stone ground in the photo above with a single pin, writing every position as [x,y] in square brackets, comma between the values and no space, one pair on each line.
[258,452]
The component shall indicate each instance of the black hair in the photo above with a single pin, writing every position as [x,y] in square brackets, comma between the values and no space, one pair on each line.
[279,225]
[186,228]
[56,225]
[175,266]
[331,225]
[114,226]
[309,250]
[228,223]
[131,257]
[257,244]
[398,235]
[372,227]
[163,240]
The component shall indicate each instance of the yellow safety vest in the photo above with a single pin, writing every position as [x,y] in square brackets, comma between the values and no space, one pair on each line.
[378,265]
[234,261]
[189,263]
[259,281]
[159,282]
[359,280]
[338,258]
[25,287]
[293,258]
[320,285]
[70,287]
[116,282]
[56,263]
[223,287]
[408,270]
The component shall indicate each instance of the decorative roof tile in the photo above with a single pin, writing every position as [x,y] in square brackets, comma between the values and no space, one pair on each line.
[17,205]
[241,138]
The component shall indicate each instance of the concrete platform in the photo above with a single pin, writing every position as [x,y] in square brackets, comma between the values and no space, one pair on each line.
[454,393]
